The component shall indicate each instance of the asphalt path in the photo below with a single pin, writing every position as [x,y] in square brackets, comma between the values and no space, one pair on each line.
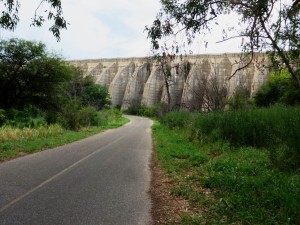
[101,180]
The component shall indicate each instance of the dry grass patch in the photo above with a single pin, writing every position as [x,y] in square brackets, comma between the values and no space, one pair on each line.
[9,133]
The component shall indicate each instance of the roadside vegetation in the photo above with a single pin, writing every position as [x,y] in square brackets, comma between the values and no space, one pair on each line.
[235,166]
[225,184]
[239,167]
[18,141]
[46,102]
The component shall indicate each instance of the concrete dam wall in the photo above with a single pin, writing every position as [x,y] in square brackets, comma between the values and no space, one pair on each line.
[189,82]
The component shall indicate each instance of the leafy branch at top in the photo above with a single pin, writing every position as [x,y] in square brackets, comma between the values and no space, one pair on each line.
[9,17]
[264,25]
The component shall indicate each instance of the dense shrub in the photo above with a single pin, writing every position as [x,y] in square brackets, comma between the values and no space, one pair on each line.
[280,88]
[30,116]
[158,110]
[106,116]
[87,116]
[134,109]
[147,111]
[74,116]
[83,88]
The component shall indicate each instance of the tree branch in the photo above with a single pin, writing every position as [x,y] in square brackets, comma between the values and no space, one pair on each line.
[237,36]
[280,53]
[243,67]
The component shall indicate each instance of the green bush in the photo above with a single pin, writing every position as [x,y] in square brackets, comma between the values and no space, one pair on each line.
[30,116]
[96,95]
[87,116]
[141,110]
[280,88]
[158,110]
[134,109]
[69,117]
[74,116]
[106,116]
[148,111]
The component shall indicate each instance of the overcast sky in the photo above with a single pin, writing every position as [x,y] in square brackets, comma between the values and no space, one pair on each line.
[104,29]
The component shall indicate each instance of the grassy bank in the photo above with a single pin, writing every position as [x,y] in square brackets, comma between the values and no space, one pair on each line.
[276,129]
[15,141]
[227,181]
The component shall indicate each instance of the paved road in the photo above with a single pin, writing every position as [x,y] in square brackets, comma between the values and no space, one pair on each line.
[100,180]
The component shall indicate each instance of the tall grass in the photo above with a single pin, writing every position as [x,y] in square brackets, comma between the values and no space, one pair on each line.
[9,133]
[223,183]
[276,128]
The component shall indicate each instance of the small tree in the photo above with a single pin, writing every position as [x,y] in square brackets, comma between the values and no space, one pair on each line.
[96,95]
[84,89]
[29,75]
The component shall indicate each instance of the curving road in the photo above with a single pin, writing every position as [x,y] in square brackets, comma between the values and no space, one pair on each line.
[100,180]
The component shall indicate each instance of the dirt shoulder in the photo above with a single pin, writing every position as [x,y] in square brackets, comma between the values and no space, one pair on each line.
[166,208]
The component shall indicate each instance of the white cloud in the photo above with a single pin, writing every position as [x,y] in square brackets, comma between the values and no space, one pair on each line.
[98,29]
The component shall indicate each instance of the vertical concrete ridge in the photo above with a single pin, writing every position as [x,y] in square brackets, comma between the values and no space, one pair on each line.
[179,73]
[135,87]
[95,71]
[193,92]
[153,88]
[118,85]
[107,75]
